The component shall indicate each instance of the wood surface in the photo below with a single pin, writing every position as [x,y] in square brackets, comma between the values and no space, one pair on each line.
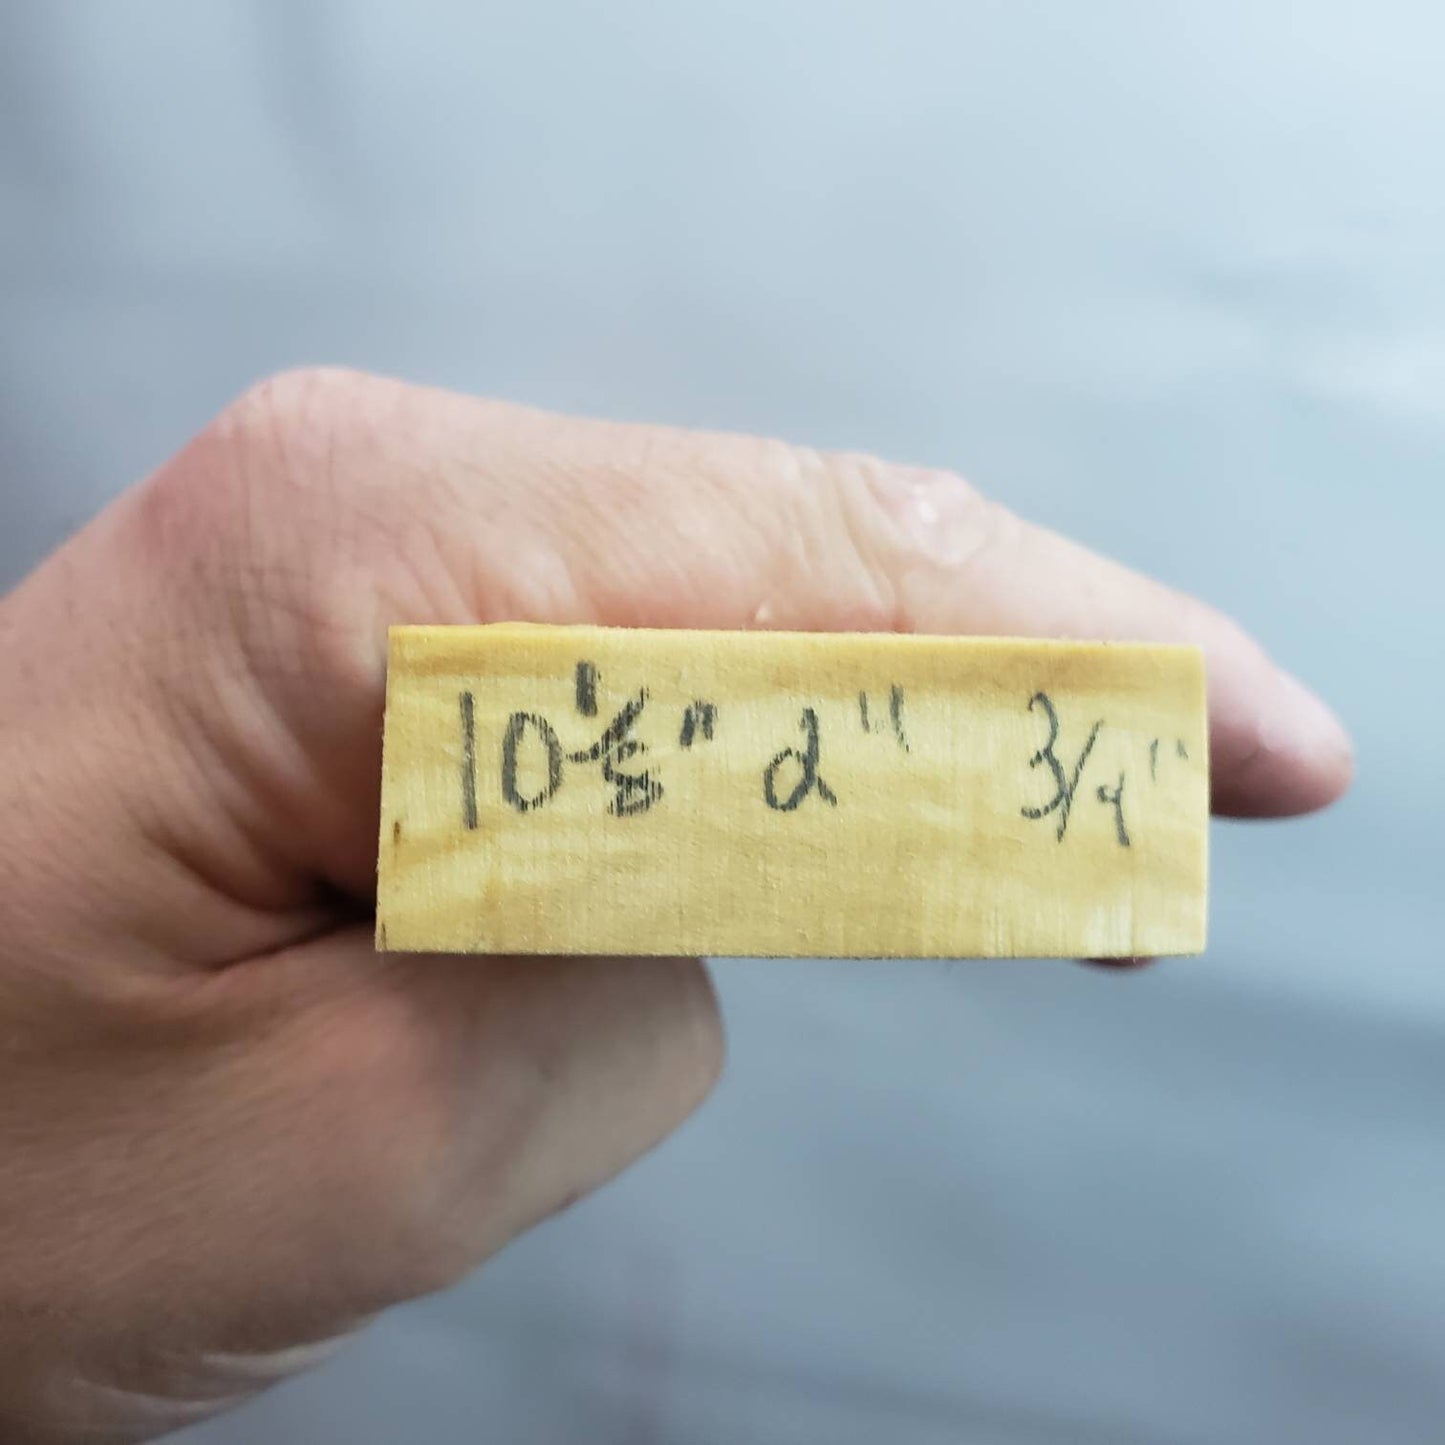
[597,790]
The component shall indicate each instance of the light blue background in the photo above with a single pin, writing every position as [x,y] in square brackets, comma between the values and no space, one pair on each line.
[1165,276]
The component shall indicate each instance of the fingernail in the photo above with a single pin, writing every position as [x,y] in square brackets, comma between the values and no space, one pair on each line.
[1301,722]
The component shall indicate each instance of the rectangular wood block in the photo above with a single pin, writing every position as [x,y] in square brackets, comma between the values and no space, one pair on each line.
[599,790]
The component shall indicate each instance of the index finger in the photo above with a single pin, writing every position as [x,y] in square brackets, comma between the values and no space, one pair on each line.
[337,504]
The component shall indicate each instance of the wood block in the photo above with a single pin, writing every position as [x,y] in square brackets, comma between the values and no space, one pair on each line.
[601,790]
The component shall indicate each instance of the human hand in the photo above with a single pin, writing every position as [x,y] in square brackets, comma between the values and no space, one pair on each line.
[231,1132]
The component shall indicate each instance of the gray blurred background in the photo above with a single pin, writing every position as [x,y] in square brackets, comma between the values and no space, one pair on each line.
[1166,277]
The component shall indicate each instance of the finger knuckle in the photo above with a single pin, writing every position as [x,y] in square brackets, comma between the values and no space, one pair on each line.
[222,492]
[808,511]
[287,424]
[907,525]
[253,529]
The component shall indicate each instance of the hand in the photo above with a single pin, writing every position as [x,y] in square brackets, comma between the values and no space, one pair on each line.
[230,1132]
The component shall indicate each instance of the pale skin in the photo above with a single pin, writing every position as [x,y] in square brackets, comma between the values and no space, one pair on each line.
[230,1131]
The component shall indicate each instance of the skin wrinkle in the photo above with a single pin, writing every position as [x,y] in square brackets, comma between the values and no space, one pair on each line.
[879,606]
[163,798]
[216,714]
[466,545]
[718,553]
[219,721]
[795,475]
[292,417]
[797,530]
[77,851]
[234,728]
[937,524]
[448,543]
[657,508]
[338,1058]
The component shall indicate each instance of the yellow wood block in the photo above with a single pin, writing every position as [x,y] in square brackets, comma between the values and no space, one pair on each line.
[600,790]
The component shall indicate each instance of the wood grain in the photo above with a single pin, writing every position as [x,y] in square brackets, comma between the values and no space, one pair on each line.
[596,790]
